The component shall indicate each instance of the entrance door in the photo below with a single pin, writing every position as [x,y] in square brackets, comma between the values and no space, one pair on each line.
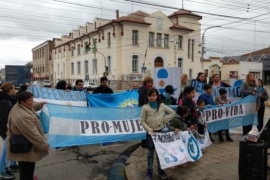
[159,62]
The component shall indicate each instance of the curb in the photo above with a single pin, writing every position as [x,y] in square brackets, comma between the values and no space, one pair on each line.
[117,171]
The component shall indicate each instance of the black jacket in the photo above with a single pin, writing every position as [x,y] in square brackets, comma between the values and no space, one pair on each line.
[192,117]
[6,104]
[142,95]
[103,90]
[168,101]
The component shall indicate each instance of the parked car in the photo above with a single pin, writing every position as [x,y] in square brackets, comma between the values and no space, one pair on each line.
[93,85]
[47,83]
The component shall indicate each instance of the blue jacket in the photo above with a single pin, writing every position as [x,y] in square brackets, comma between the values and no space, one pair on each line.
[208,99]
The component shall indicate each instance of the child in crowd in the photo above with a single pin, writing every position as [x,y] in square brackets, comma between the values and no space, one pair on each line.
[192,117]
[167,97]
[222,99]
[208,100]
[201,114]
[178,124]
[153,119]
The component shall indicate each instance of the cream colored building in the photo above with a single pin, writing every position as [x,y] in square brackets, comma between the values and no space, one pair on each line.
[130,47]
[41,55]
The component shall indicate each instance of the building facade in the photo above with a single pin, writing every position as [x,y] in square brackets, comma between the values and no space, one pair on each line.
[41,55]
[128,48]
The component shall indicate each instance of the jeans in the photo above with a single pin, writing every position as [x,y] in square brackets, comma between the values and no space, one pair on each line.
[26,170]
[4,162]
[151,151]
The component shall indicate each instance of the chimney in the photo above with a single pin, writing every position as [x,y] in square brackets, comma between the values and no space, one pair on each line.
[117,14]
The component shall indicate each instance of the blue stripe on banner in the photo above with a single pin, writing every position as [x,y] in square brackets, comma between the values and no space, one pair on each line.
[99,114]
[250,119]
[66,140]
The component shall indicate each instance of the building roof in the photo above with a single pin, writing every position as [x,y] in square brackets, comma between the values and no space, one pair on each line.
[177,26]
[258,52]
[136,17]
[183,12]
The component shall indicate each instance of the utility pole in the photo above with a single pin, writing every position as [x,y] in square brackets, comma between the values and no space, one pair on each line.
[203,48]
[105,74]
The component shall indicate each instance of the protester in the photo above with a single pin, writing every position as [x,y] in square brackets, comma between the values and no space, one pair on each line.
[216,81]
[209,101]
[78,85]
[24,121]
[192,118]
[201,77]
[184,83]
[61,85]
[167,97]
[263,97]
[103,88]
[249,87]
[201,116]
[178,123]
[153,119]
[147,84]
[222,99]
[7,101]
[22,88]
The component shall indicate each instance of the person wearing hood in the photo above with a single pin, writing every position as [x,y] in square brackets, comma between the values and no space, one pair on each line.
[103,88]
[167,97]
[7,101]
[22,88]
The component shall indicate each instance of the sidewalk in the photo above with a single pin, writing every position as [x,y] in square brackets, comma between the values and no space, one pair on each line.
[219,162]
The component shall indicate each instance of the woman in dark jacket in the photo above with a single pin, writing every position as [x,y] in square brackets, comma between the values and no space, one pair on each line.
[7,101]
[263,97]
[147,84]
[22,88]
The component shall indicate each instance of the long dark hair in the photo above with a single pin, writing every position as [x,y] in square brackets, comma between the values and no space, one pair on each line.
[150,92]
[261,81]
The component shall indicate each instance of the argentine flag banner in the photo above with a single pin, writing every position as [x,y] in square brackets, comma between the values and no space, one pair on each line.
[120,99]
[70,125]
[238,113]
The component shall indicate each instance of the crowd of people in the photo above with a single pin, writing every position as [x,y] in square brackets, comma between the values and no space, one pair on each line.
[190,112]
[18,117]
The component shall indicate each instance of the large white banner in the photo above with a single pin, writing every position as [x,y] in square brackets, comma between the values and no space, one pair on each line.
[176,148]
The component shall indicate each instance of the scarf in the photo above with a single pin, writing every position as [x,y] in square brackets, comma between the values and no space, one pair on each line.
[153,105]
[166,95]
[260,89]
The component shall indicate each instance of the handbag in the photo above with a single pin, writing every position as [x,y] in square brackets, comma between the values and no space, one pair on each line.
[18,143]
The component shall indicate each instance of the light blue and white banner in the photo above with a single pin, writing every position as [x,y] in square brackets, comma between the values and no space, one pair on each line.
[238,113]
[120,99]
[71,125]
[57,96]
[176,148]
[231,91]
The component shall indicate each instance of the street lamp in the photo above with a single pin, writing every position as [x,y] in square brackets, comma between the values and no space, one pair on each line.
[202,53]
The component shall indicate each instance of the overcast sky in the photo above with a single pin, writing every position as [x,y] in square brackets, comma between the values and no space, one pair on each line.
[25,24]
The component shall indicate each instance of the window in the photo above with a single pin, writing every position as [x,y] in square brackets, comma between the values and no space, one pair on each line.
[192,50]
[64,52]
[72,51]
[95,44]
[151,38]
[180,42]
[159,38]
[166,40]
[109,39]
[58,68]
[134,64]
[179,62]
[78,50]
[85,67]
[188,49]
[72,68]
[109,64]
[78,67]
[94,66]
[135,35]
[190,74]
[86,47]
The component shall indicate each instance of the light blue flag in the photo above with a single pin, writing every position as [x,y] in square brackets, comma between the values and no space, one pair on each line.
[120,99]
[71,125]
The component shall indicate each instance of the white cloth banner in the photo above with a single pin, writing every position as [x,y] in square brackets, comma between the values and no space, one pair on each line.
[176,148]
